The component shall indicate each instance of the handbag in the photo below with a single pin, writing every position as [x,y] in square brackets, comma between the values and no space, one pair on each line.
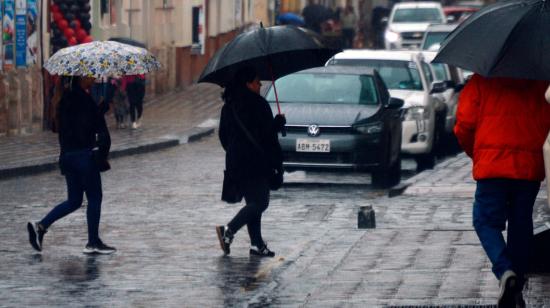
[230,189]
[276,177]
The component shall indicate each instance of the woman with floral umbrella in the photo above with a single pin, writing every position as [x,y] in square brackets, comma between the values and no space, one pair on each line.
[83,134]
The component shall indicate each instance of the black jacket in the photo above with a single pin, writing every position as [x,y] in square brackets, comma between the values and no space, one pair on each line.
[243,160]
[81,124]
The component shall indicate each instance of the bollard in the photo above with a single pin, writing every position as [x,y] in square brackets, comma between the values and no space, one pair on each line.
[366,218]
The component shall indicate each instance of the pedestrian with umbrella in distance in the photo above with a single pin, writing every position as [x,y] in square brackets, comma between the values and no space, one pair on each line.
[248,132]
[83,134]
[502,122]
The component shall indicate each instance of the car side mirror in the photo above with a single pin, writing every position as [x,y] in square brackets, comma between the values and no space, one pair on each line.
[438,87]
[451,19]
[450,84]
[395,103]
[459,87]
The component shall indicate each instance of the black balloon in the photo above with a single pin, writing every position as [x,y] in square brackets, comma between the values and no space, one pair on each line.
[86,25]
[57,33]
[64,8]
[74,24]
[84,17]
[85,8]
[69,17]
[75,8]
[63,42]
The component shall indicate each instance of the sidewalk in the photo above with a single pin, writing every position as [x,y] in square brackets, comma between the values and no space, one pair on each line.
[172,119]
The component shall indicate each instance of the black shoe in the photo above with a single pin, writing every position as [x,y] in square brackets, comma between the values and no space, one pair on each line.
[225,237]
[99,248]
[36,235]
[508,290]
[262,252]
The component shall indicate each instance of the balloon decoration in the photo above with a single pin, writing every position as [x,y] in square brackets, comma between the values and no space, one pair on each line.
[70,23]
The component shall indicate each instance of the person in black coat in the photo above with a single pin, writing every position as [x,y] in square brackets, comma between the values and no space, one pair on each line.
[81,126]
[250,163]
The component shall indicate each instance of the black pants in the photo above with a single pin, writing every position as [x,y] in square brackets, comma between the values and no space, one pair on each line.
[256,195]
[136,107]
[348,35]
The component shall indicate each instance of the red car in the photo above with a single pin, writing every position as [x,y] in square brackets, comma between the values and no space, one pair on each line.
[458,13]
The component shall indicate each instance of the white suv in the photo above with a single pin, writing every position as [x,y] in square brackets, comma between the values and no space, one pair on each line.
[408,21]
[408,77]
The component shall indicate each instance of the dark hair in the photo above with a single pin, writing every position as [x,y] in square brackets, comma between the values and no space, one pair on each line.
[243,76]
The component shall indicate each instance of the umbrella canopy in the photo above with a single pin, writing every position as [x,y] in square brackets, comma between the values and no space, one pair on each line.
[101,59]
[505,39]
[274,52]
[128,41]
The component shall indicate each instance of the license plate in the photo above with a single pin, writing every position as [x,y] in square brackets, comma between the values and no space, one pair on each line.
[313,145]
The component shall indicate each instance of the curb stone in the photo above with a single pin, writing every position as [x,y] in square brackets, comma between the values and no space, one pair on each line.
[49,164]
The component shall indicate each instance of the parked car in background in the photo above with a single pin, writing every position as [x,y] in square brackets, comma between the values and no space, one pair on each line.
[457,14]
[408,21]
[409,77]
[340,117]
[454,81]
[434,36]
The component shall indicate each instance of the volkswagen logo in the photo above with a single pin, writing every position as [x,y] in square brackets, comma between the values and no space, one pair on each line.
[313,130]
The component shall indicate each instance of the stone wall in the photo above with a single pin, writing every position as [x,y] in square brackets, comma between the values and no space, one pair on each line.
[21,101]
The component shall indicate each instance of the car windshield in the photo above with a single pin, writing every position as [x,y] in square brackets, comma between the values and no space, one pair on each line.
[440,72]
[325,88]
[434,38]
[396,74]
[429,15]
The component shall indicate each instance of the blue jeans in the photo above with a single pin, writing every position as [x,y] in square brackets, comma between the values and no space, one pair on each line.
[82,176]
[498,201]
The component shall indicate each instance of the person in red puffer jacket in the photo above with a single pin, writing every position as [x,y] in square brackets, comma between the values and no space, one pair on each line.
[502,124]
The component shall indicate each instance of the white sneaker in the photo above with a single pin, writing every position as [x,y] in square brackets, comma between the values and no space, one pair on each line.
[138,123]
[134,125]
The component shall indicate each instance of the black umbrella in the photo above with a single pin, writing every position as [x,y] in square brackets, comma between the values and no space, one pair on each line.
[274,52]
[505,39]
[129,41]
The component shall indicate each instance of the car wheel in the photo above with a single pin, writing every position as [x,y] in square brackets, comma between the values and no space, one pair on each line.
[425,161]
[395,172]
[386,176]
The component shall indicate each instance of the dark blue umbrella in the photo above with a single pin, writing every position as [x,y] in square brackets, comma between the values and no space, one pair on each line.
[290,19]
[505,39]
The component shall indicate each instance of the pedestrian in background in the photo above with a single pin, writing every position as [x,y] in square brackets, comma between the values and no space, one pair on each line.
[81,127]
[120,103]
[502,124]
[248,134]
[135,90]
[348,20]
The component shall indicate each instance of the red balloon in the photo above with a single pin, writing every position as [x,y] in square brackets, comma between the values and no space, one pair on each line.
[54,8]
[57,16]
[63,24]
[81,34]
[69,32]
[76,24]
[72,41]
[88,39]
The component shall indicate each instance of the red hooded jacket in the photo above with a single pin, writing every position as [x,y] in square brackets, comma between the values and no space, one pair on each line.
[502,123]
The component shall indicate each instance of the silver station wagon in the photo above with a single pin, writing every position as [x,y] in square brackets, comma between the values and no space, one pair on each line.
[340,117]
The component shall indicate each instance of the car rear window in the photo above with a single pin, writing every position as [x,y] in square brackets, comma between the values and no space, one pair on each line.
[325,88]
[434,38]
[397,74]
[429,15]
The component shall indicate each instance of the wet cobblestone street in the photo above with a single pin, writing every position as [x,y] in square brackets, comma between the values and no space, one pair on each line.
[160,209]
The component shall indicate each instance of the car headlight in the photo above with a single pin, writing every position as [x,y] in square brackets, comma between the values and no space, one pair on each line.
[391,36]
[417,113]
[371,128]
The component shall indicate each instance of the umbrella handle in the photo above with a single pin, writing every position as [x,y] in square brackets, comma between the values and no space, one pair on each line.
[283,131]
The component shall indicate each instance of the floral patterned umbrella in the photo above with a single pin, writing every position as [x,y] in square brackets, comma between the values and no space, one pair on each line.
[101,59]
